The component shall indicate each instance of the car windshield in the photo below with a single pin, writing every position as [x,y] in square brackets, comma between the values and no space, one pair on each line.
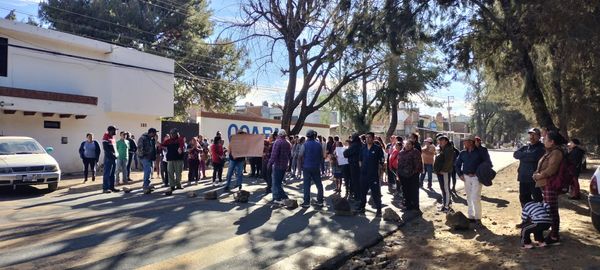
[20,147]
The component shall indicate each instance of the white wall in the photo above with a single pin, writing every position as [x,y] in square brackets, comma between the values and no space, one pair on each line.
[209,127]
[67,155]
[118,88]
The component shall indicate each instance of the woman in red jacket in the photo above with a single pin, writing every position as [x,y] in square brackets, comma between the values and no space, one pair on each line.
[393,166]
[218,159]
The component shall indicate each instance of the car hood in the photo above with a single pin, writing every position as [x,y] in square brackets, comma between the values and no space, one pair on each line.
[26,160]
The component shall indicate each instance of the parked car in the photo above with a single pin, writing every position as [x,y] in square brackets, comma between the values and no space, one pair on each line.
[23,161]
[594,200]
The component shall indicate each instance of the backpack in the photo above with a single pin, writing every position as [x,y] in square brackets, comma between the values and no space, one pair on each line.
[561,181]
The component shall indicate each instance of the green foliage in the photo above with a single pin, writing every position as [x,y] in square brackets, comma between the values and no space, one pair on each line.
[206,73]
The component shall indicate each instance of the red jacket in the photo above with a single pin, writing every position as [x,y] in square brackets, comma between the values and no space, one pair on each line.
[393,163]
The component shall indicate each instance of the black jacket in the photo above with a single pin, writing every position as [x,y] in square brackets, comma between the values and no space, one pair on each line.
[81,150]
[353,152]
[576,156]
[146,147]
[528,156]
[132,146]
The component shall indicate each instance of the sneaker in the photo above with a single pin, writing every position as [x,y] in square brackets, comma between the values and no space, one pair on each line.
[84,180]
[106,191]
[527,246]
[319,204]
[147,191]
[444,209]
[179,187]
[168,192]
[551,241]
[305,205]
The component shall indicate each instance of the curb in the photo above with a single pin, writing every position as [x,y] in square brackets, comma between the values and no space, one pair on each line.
[337,261]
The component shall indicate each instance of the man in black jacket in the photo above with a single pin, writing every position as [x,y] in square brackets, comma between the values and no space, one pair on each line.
[352,154]
[529,156]
[146,151]
[110,160]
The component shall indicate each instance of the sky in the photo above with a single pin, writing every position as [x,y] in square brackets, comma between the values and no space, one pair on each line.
[269,83]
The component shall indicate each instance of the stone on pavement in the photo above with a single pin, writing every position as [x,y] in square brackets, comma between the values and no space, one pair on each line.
[126,190]
[211,195]
[341,206]
[241,196]
[192,194]
[290,204]
[457,221]
[390,215]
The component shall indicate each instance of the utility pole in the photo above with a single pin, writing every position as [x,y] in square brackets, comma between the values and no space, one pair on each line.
[450,100]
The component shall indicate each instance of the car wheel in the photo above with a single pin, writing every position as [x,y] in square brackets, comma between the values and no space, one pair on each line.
[53,186]
[596,221]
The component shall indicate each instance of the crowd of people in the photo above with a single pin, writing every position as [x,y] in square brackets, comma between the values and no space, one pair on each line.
[358,165]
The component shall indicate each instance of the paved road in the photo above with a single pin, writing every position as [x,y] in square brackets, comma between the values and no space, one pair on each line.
[78,227]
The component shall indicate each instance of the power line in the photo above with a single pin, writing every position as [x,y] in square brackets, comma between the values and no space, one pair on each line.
[150,45]
[126,27]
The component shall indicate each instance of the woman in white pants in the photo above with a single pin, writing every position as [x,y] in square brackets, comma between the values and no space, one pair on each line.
[466,166]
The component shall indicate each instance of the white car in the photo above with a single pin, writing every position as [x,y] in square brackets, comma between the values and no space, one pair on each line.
[23,161]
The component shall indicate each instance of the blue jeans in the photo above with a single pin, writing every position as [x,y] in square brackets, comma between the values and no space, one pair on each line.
[312,175]
[108,180]
[427,168]
[147,166]
[238,167]
[277,188]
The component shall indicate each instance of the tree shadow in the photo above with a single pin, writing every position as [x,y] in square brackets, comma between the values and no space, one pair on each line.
[500,203]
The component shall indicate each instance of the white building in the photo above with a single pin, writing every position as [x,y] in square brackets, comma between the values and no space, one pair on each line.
[56,87]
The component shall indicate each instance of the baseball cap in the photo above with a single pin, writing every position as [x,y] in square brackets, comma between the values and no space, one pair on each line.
[536,131]
[112,128]
[152,130]
[281,133]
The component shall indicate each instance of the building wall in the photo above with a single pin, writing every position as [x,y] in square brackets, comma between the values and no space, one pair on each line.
[209,125]
[118,88]
[74,130]
[130,98]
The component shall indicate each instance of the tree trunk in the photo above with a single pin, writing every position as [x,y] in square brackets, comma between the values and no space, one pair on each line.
[534,93]
[394,121]
[559,96]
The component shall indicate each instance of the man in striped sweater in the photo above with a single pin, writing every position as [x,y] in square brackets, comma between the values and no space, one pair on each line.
[536,219]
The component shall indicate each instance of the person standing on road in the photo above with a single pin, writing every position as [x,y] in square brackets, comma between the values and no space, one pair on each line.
[218,160]
[353,156]
[131,154]
[135,155]
[453,173]
[146,147]
[410,165]
[266,170]
[110,160]
[194,151]
[279,160]
[235,165]
[311,153]
[175,151]
[371,157]
[466,167]
[414,137]
[427,155]
[89,151]
[164,170]
[443,165]
[123,158]
[548,166]
[575,156]
[528,157]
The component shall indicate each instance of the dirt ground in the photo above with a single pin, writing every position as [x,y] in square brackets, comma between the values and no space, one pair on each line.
[427,243]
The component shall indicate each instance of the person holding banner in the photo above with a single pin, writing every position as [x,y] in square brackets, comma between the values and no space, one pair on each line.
[235,164]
